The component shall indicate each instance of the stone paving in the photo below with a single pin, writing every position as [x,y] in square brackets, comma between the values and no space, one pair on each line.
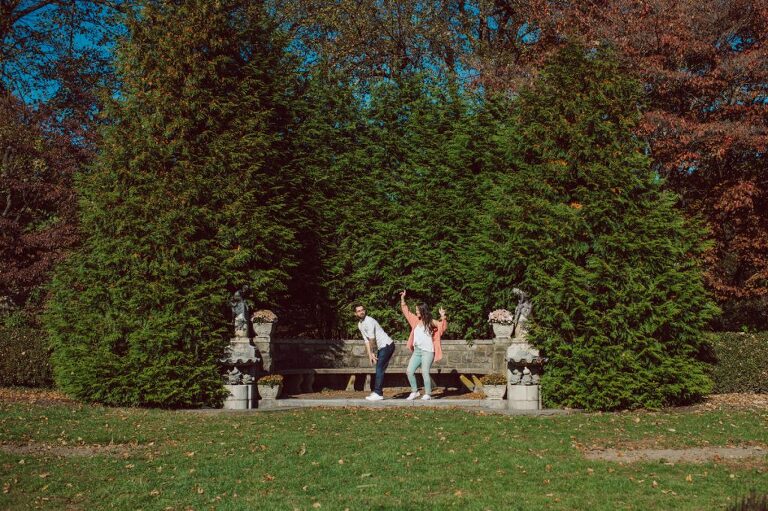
[453,403]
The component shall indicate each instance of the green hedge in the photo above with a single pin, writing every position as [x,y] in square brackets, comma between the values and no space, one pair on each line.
[24,357]
[741,361]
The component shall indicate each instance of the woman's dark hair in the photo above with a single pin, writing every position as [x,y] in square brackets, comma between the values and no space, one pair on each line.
[426,317]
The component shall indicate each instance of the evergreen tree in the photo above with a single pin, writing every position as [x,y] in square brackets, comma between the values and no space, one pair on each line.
[325,148]
[189,199]
[406,213]
[586,228]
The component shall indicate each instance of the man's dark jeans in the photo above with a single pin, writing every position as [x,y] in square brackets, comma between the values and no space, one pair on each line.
[384,355]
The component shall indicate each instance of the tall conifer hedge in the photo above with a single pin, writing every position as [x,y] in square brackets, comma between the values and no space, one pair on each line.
[405,212]
[586,228]
[189,199]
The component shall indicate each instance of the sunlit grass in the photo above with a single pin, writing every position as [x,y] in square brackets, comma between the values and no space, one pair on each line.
[364,459]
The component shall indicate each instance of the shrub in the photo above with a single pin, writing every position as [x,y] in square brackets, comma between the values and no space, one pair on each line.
[271,380]
[501,317]
[24,357]
[741,361]
[493,379]
[264,316]
[752,502]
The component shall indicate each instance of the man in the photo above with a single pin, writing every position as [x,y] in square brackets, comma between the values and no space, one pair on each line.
[372,332]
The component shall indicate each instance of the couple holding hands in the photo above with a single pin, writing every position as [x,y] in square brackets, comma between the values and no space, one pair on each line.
[424,342]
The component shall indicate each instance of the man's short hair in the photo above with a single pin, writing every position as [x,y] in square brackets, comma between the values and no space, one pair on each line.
[355,306]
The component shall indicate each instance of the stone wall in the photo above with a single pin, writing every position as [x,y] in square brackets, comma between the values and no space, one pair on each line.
[482,356]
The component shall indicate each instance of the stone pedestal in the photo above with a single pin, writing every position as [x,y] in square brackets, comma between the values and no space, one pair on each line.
[522,397]
[524,367]
[240,348]
[263,349]
[240,397]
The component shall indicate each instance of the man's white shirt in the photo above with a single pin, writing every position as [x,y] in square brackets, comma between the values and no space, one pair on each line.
[371,329]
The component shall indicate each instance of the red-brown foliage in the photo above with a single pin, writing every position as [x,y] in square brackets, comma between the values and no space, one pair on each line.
[704,64]
[37,202]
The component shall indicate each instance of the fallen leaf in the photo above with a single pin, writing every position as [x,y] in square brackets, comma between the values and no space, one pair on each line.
[689,478]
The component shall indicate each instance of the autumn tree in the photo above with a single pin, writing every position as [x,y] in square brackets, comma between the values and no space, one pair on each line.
[37,206]
[54,64]
[703,67]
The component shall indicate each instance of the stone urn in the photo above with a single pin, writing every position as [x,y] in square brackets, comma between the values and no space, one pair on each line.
[263,321]
[502,331]
[270,386]
[494,386]
[495,392]
[270,391]
[263,329]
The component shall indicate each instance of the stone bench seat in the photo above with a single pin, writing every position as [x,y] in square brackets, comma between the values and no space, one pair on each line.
[372,370]
[302,379]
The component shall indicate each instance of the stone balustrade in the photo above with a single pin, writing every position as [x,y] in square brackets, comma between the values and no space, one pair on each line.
[479,356]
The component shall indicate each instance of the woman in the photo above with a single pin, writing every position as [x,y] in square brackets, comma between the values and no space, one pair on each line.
[424,342]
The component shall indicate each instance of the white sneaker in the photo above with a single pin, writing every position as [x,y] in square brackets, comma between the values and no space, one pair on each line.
[412,396]
[425,397]
[375,397]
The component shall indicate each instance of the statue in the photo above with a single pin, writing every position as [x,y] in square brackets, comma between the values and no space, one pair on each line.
[240,311]
[522,311]
[233,376]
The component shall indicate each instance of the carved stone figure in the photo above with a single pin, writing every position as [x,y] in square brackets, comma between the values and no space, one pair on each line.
[522,312]
[240,311]
[234,376]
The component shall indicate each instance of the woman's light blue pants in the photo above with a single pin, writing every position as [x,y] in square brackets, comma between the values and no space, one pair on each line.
[423,359]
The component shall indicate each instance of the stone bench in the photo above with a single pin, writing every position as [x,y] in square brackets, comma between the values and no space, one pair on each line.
[302,380]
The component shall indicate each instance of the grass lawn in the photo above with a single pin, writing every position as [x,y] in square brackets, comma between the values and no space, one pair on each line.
[57,455]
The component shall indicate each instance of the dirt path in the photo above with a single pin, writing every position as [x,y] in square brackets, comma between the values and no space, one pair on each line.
[689,455]
[66,451]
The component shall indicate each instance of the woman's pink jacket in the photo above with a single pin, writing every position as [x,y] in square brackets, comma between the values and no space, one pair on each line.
[442,325]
